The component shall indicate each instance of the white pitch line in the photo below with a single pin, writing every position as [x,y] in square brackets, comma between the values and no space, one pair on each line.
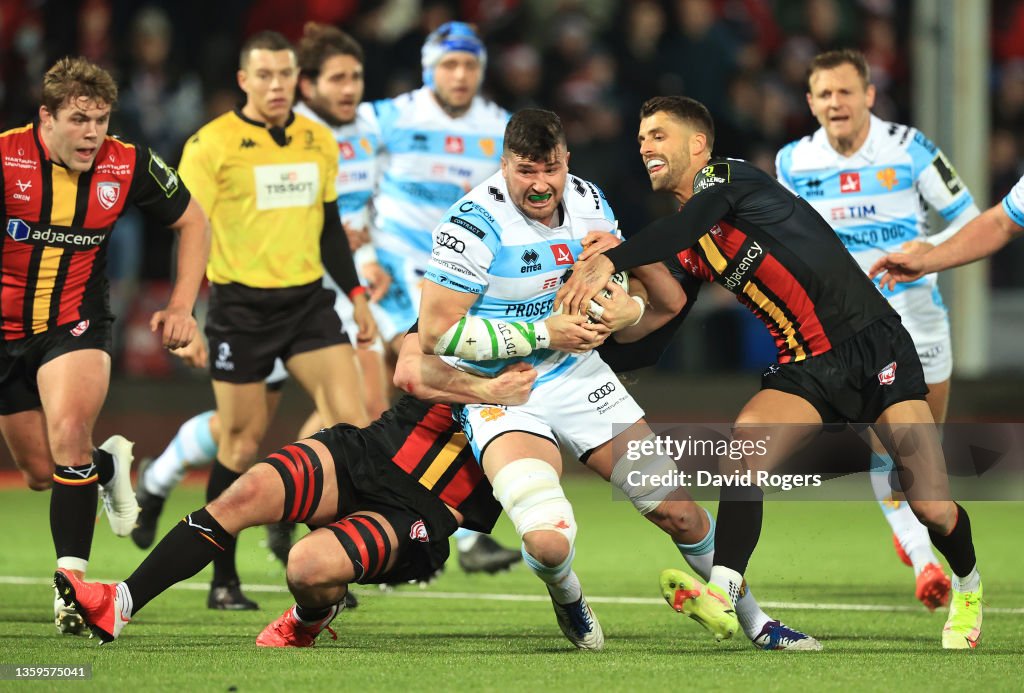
[412,592]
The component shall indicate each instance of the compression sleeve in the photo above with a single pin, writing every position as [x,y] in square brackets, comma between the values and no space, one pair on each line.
[336,254]
[669,235]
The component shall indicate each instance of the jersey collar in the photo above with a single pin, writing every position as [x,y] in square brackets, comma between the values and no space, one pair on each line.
[868,151]
[276,133]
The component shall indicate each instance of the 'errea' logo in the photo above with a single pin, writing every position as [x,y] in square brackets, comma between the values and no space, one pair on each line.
[17,229]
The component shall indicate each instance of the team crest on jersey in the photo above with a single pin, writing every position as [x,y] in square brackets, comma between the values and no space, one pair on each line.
[849,182]
[563,256]
[454,145]
[108,193]
[346,150]
[418,532]
[79,329]
[366,146]
[887,177]
[887,376]
[487,146]
[491,413]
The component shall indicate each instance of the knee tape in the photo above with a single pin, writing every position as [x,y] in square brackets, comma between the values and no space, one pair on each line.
[646,481]
[529,491]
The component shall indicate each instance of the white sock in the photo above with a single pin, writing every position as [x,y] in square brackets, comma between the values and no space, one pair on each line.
[971,583]
[561,580]
[193,446]
[125,596]
[729,580]
[465,539]
[911,534]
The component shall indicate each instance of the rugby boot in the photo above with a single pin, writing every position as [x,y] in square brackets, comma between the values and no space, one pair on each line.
[488,556]
[963,627]
[66,618]
[933,587]
[118,497]
[103,607]
[579,624]
[776,635]
[150,507]
[228,597]
[288,631]
[708,605]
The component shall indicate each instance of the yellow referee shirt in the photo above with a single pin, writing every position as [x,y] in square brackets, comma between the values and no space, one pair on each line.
[264,193]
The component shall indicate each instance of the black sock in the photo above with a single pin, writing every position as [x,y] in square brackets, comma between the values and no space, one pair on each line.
[312,614]
[184,551]
[224,570]
[958,545]
[738,526]
[104,462]
[73,510]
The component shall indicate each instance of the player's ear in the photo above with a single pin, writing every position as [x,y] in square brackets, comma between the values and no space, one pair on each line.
[869,96]
[240,75]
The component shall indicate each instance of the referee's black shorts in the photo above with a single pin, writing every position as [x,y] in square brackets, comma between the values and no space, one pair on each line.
[248,328]
[859,378]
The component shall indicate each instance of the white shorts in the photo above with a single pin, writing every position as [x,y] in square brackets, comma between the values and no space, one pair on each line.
[926,319]
[577,410]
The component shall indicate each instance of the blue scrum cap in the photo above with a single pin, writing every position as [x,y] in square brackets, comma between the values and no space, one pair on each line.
[450,36]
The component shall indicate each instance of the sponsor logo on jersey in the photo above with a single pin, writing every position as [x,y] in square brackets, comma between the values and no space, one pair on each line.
[246,143]
[63,236]
[849,182]
[346,150]
[562,254]
[887,177]
[418,532]
[446,240]
[79,329]
[286,185]
[535,309]
[454,144]
[811,187]
[469,206]
[22,186]
[852,212]
[550,283]
[887,376]
[736,278]
[108,193]
[164,175]
[712,174]
[475,230]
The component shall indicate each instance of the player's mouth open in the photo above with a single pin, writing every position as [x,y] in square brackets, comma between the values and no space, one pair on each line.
[655,165]
[539,200]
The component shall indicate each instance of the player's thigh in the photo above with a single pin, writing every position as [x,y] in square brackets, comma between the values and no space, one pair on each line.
[909,434]
[72,389]
[783,422]
[517,445]
[359,547]
[603,458]
[25,435]
[255,498]
[330,376]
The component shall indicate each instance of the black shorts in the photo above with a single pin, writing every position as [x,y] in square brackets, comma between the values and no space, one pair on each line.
[859,378]
[369,482]
[248,327]
[21,359]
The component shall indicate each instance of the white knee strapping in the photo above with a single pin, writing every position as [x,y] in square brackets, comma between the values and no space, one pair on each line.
[646,481]
[529,491]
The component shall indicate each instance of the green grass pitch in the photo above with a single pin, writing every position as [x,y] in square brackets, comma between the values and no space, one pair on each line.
[501,635]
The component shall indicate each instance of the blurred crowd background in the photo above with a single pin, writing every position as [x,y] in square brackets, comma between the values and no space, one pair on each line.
[592,61]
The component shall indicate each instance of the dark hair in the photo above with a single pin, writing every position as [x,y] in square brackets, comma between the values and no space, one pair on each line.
[264,40]
[74,78]
[833,59]
[534,134]
[690,111]
[322,41]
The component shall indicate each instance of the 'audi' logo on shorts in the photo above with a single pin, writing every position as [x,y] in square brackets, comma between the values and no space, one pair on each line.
[601,392]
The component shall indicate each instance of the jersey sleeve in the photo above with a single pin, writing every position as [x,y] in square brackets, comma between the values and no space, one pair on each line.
[198,169]
[783,167]
[464,246]
[1013,203]
[157,189]
[937,181]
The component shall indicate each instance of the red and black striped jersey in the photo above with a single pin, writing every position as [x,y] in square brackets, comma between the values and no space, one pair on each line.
[57,224]
[744,231]
[427,444]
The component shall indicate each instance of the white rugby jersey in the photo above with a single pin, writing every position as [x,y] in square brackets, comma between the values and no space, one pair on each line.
[431,160]
[875,198]
[1013,203]
[486,246]
[357,163]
